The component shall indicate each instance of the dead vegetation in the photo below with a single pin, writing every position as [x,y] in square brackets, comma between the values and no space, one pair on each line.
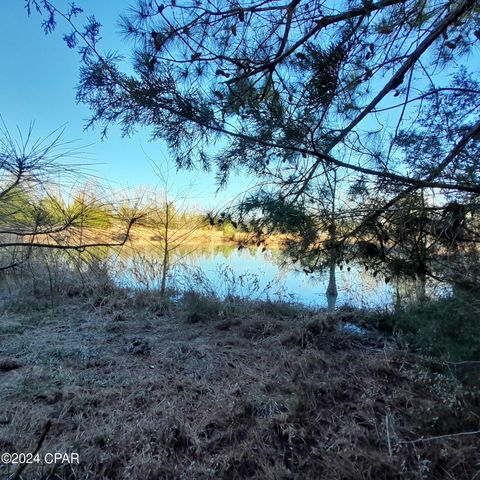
[141,391]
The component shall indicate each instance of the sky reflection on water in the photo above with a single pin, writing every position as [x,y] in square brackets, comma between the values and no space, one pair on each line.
[251,272]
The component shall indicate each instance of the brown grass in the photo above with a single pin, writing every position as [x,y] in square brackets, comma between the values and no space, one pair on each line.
[142,393]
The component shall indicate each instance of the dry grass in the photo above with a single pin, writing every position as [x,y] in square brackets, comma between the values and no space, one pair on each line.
[142,393]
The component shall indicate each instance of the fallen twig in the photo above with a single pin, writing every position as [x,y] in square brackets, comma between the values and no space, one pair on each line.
[466,362]
[449,435]
[389,443]
[21,468]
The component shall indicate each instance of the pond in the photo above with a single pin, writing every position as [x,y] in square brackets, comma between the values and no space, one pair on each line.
[258,273]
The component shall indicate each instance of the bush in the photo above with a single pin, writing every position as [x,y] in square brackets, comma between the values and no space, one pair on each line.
[229,231]
[199,306]
[281,308]
[448,328]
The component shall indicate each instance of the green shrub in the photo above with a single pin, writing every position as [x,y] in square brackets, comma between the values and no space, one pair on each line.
[448,328]
[229,231]
[200,306]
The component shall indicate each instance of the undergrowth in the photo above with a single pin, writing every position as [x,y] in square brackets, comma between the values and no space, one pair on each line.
[207,385]
[447,328]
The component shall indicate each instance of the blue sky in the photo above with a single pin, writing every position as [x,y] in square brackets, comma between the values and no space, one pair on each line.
[37,83]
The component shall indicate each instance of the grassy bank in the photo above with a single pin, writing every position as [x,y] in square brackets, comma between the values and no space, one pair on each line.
[150,388]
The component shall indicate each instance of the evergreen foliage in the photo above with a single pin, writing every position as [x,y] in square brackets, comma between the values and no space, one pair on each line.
[368,101]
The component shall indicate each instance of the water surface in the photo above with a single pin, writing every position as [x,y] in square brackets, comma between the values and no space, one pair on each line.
[258,273]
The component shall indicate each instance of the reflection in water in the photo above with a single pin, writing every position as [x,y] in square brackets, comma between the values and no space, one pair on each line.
[356,287]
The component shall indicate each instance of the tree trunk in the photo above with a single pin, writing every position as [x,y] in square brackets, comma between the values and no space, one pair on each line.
[165,253]
[332,291]
[421,288]
[398,296]
[421,279]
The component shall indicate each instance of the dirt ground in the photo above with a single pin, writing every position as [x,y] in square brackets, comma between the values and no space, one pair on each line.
[144,391]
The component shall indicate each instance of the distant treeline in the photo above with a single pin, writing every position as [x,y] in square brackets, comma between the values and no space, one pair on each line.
[22,208]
